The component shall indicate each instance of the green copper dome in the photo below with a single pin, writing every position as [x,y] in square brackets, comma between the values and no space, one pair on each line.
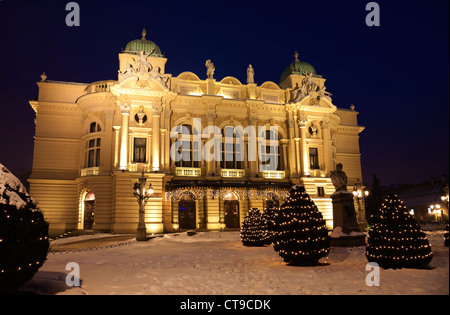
[147,46]
[297,67]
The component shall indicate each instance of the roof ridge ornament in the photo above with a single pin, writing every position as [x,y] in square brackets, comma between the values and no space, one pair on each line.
[144,33]
[296,56]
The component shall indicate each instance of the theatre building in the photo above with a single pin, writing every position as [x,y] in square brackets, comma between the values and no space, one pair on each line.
[93,141]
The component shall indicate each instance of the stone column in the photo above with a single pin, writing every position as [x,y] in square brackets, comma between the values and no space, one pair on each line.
[156,115]
[108,143]
[125,111]
[163,150]
[116,146]
[292,157]
[327,146]
[303,148]
[211,165]
[284,154]
[253,160]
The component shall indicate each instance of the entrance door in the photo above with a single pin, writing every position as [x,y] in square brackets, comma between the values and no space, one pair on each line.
[89,213]
[231,208]
[186,214]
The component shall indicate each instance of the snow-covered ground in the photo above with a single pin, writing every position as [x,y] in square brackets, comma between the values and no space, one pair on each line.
[216,263]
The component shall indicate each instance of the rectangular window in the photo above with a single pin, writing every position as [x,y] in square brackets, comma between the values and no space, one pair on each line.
[321,191]
[314,158]
[140,150]
[93,152]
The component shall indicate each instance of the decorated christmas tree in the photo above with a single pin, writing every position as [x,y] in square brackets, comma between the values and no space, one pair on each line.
[23,234]
[301,237]
[395,239]
[253,230]
[268,217]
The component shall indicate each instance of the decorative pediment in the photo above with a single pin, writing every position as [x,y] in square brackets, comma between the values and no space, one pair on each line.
[230,81]
[190,76]
[270,85]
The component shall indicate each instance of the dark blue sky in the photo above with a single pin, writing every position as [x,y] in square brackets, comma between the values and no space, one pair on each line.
[397,75]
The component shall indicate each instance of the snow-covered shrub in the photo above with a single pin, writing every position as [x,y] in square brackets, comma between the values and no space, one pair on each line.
[24,239]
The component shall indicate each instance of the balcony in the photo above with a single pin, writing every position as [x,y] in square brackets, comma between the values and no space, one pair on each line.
[232,173]
[100,86]
[91,171]
[274,174]
[188,171]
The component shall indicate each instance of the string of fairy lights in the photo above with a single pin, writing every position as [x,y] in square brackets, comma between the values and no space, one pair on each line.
[224,193]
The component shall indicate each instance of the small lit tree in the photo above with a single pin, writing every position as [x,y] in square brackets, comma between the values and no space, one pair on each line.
[268,216]
[395,239]
[301,237]
[253,230]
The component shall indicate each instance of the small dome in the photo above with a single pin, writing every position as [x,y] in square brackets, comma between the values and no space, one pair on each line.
[297,67]
[147,46]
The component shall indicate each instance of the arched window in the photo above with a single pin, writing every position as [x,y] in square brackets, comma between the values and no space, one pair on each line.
[232,149]
[190,147]
[94,127]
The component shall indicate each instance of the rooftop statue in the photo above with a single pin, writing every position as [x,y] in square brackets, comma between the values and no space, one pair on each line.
[250,74]
[209,69]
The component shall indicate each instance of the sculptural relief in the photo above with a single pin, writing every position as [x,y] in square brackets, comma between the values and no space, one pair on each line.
[143,71]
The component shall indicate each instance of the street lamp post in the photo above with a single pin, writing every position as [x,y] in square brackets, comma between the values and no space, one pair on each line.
[359,193]
[436,210]
[142,194]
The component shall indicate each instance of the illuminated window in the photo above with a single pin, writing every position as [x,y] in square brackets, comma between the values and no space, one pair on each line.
[140,150]
[270,152]
[232,149]
[189,149]
[313,158]
[93,152]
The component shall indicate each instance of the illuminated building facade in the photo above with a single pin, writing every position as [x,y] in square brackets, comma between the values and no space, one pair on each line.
[92,142]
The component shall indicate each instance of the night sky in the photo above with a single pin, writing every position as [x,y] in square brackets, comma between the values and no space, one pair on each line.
[397,74]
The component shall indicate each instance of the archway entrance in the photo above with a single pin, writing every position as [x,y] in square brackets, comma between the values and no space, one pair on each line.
[187,211]
[89,211]
[231,209]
